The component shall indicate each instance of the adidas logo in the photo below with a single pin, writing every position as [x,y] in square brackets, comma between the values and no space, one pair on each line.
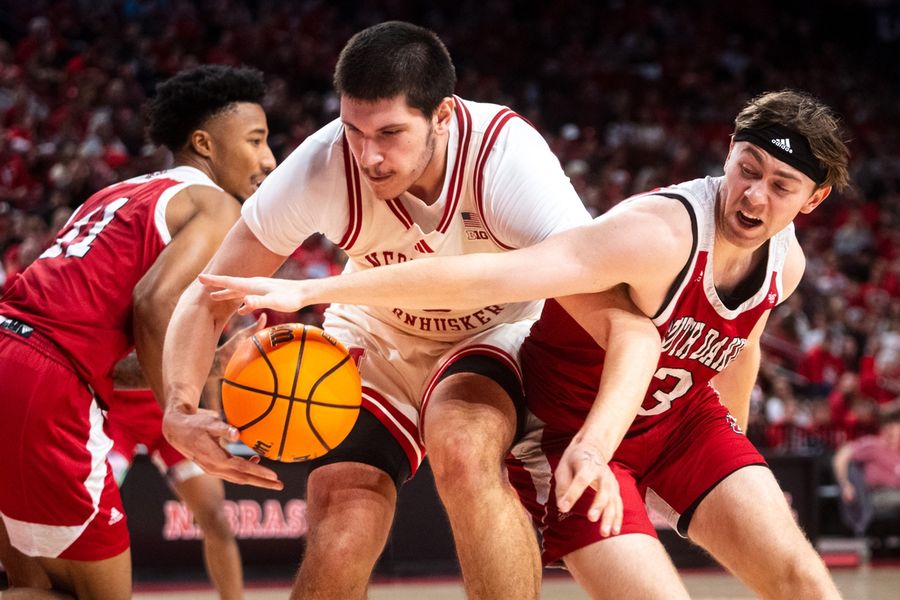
[115,515]
[784,144]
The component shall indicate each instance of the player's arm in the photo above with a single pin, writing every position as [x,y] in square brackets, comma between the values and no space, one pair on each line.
[198,219]
[841,465]
[190,344]
[632,245]
[735,383]
[632,345]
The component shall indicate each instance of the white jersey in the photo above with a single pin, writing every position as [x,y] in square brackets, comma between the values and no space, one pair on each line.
[503,189]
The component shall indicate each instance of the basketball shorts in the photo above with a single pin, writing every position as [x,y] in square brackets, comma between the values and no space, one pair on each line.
[58,497]
[669,467]
[400,372]
[134,420]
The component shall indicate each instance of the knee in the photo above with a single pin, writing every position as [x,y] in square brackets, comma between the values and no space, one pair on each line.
[328,548]
[803,576]
[214,524]
[463,457]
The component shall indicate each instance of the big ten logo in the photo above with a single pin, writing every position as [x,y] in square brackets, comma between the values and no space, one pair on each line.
[247,519]
[472,234]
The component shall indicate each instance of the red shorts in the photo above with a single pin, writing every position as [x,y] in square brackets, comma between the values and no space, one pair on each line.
[58,497]
[135,417]
[670,467]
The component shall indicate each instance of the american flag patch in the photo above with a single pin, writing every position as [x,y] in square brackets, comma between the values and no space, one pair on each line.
[472,220]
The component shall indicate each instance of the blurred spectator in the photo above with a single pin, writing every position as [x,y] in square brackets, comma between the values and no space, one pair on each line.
[868,473]
[852,412]
[823,364]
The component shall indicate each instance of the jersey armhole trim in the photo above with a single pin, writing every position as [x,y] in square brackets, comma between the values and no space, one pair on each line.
[497,124]
[354,199]
[687,265]
[159,211]
[454,189]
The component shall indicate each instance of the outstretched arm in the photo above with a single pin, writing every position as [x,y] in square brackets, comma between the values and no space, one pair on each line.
[639,245]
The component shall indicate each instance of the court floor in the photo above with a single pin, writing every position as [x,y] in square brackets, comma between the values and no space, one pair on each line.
[861,583]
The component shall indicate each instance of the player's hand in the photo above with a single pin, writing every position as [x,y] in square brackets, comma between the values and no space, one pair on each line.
[283,295]
[226,350]
[582,466]
[201,435]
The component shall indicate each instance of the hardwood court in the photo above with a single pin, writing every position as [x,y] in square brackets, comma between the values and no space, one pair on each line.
[862,583]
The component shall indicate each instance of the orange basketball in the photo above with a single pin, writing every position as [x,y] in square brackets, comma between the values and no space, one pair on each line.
[292,391]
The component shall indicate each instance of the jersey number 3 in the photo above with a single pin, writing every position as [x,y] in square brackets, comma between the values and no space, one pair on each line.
[78,236]
[683,382]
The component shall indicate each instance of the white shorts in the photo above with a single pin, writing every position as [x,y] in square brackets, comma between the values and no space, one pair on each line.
[399,371]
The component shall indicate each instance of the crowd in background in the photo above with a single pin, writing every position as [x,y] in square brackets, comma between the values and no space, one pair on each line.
[630,95]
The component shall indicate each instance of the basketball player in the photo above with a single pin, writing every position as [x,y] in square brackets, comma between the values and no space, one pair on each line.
[708,259]
[408,171]
[108,284]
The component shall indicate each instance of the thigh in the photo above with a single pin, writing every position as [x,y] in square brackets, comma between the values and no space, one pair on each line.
[746,524]
[478,384]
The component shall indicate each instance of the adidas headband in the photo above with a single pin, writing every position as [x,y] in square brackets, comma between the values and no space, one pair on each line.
[787,146]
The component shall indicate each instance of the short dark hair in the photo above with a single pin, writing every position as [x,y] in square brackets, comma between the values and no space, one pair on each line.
[396,58]
[810,118]
[184,102]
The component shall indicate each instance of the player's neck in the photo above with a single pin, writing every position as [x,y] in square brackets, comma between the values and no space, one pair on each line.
[428,187]
[187,159]
[732,264]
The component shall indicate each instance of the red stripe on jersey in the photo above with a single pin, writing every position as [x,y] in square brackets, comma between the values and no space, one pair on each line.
[354,198]
[454,190]
[423,247]
[490,138]
[477,350]
[400,212]
[403,430]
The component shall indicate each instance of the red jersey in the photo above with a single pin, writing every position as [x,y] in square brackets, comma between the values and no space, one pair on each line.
[79,292]
[701,331]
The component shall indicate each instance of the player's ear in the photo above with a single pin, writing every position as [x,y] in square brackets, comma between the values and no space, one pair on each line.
[443,114]
[817,197]
[201,142]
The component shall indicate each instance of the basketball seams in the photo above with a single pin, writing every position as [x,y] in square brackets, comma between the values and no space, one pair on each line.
[273,395]
[312,390]
[293,398]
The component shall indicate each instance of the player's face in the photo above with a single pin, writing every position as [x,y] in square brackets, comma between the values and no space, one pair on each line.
[392,142]
[761,195]
[240,153]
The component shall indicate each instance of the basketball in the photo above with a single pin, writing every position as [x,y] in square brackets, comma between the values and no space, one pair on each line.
[292,391]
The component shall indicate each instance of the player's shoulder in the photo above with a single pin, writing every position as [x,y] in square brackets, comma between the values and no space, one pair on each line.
[322,152]
[199,199]
[487,116]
